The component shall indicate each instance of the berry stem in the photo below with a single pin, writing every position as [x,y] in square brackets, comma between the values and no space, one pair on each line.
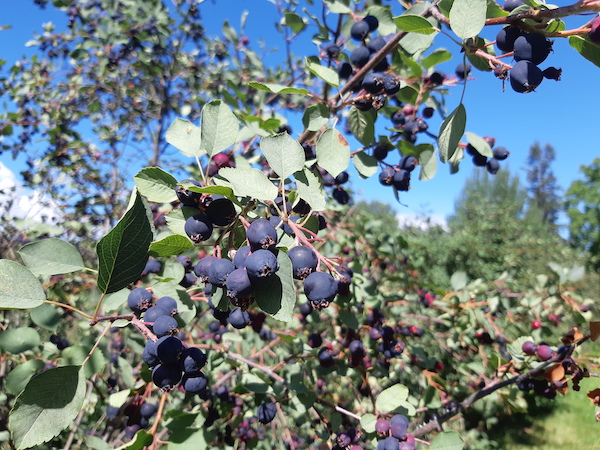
[89,355]
[152,431]
[72,308]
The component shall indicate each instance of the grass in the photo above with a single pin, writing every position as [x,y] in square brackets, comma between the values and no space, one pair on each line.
[570,425]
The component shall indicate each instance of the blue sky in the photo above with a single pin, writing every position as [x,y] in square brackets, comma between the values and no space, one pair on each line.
[560,113]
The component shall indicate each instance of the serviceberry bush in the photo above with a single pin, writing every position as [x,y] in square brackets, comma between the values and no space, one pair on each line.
[239,299]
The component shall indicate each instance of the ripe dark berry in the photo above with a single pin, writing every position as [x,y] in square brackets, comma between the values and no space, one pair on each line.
[376,44]
[112,412]
[391,84]
[408,163]
[436,78]
[166,376]
[187,197]
[320,288]
[239,319]
[372,21]
[131,430]
[201,268]
[509,5]
[380,152]
[165,325]
[529,348]
[169,349]
[344,71]
[500,153]
[239,260]
[154,313]
[149,354]
[360,30]
[139,300]
[333,51]
[389,443]
[357,348]
[199,228]
[360,56]
[492,165]
[398,119]
[194,384]
[261,234]
[386,176]
[261,264]
[373,82]
[479,160]
[326,358]
[304,261]
[342,178]
[532,47]
[186,262]
[168,303]
[463,70]
[152,266]
[221,212]
[544,352]
[219,270]
[401,180]
[192,360]
[505,39]
[315,340]
[238,284]
[341,196]
[399,426]
[266,412]
[147,410]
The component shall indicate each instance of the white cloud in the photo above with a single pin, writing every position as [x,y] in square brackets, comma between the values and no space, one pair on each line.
[16,202]
[421,221]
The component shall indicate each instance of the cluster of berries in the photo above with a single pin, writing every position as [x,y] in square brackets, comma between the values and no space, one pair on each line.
[389,346]
[396,430]
[138,415]
[398,175]
[491,164]
[339,194]
[171,360]
[529,50]
[346,439]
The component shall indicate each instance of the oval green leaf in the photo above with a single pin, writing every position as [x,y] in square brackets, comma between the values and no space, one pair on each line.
[219,127]
[333,152]
[451,130]
[185,136]
[467,17]
[51,257]
[27,293]
[413,24]
[19,340]
[156,185]
[284,154]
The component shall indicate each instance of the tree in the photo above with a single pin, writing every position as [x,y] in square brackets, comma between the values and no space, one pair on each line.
[492,231]
[582,207]
[542,187]
[241,301]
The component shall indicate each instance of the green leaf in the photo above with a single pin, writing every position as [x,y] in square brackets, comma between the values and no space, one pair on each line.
[156,185]
[27,293]
[458,280]
[123,252]
[186,137]
[392,398]
[184,436]
[428,165]
[586,48]
[449,440]
[19,340]
[310,189]
[366,165]
[478,61]
[368,421]
[284,154]
[482,147]
[315,117]
[337,6]
[348,318]
[96,443]
[46,316]
[51,257]
[249,183]
[17,379]
[141,441]
[327,74]
[48,405]
[114,301]
[219,127]
[414,24]
[436,57]
[416,43]
[254,383]
[277,295]
[362,126]
[467,17]
[170,245]
[294,21]
[219,190]
[333,152]
[452,129]
[277,88]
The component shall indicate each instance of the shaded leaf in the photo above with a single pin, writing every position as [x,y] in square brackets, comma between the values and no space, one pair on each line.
[123,252]
[277,295]
[19,340]
[310,189]
[333,152]
[186,137]
[482,147]
[366,165]
[451,130]
[362,126]
[27,293]
[284,154]
[428,165]
[586,48]
[49,404]
[46,316]
[449,440]
[51,256]
[17,378]
[156,185]
[170,245]
[315,117]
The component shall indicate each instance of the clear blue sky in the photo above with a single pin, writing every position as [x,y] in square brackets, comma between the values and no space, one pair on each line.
[561,113]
